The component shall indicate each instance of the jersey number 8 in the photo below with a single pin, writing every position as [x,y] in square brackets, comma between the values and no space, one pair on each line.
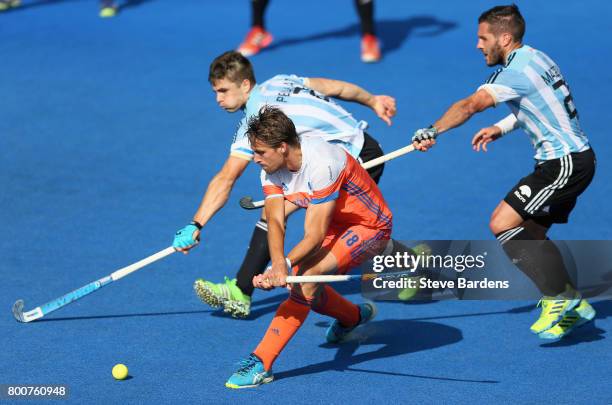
[352,240]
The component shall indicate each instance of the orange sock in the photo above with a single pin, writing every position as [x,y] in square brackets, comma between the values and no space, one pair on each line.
[335,305]
[290,315]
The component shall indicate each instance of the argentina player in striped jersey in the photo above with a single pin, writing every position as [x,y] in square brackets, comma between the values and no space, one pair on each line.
[541,104]
[308,103]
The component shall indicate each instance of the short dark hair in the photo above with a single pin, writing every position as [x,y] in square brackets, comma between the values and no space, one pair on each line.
[272,127]
[232,66]
[505,19]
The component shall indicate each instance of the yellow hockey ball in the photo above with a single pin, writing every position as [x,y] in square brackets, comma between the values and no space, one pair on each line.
[120,372]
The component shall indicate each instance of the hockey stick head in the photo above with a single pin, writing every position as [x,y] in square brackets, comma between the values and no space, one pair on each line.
[247,203]
[26,317]
[18,311]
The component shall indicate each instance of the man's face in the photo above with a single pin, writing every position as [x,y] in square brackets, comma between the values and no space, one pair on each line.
[489,44]
[231,96]
[270,159]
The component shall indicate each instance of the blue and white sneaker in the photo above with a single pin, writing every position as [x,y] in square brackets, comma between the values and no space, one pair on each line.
[251,374]
[336,332]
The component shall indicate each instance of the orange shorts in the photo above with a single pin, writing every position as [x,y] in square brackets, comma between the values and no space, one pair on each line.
[354,244]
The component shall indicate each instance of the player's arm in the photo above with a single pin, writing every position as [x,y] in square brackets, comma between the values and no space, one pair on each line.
[463,110]
[383,106]
[318,217]
[219,189]
[217,194]
[455,116]
[316,222]
[275,274]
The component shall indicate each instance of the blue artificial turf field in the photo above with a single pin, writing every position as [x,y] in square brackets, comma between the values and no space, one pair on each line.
[109,133]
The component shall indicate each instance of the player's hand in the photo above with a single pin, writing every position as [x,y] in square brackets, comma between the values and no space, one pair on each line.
[384,107]
[484,136]
[274,276]
[186,238]
[424,138]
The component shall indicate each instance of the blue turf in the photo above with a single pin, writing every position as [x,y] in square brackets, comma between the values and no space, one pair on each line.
[109,134]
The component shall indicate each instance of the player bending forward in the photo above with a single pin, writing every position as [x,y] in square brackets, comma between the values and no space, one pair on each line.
[347,221]
[308,103]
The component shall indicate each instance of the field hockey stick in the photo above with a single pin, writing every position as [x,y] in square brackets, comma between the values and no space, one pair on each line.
[248,204]
[334,278]
[66,299]
[331,278]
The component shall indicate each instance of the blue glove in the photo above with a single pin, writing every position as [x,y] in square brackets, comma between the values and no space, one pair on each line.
[184,237]
[425,134]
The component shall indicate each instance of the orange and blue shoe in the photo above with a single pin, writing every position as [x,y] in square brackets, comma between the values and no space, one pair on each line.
[250,374]
[255,41]
[370,49]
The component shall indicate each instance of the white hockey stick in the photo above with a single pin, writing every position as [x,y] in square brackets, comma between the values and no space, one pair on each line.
[333,278]
[66,299]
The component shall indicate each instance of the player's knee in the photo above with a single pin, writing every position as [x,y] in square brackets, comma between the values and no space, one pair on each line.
[497,224]
[310,291]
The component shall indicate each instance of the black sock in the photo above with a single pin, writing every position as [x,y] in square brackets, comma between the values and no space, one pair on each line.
[256,259]
[552,258]
[258,8]
[540,260]
[365,9]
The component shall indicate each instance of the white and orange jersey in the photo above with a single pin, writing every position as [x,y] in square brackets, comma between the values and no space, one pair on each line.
[330,173]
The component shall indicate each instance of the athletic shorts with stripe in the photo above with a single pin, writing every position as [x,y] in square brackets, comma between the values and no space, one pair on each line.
[549,194]
[353,245]
[370,151]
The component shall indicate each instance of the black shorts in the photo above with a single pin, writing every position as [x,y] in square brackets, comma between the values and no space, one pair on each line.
[371,150]
[549,194]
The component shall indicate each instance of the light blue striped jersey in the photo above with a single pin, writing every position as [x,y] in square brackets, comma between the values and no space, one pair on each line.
[312,113]
[534,88]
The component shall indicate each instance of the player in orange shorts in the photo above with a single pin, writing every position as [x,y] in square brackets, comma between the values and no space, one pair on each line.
[347,221]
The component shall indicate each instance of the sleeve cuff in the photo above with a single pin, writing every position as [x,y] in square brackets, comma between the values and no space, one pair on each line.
[241,155]
[508,124]
[322,200]
[491,93]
